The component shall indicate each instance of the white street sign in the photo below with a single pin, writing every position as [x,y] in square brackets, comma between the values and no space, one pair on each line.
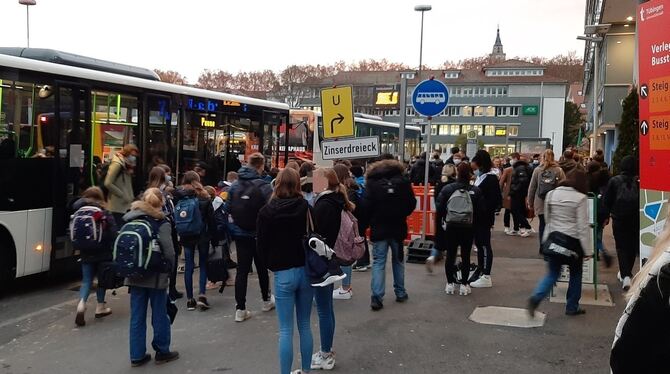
[364,147]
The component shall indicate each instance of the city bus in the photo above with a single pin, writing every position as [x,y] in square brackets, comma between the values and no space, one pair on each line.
[62,116]
[302,144]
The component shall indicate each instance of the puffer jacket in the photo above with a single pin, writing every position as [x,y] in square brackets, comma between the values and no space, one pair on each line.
[566,211]
[119,183]
[388,199]
[104,253]
[158,281]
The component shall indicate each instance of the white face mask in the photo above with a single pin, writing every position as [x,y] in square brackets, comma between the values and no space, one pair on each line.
[168,178]
[536,162]
[457,161]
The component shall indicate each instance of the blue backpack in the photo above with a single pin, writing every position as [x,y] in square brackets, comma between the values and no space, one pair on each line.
[187,217]
[137,252]
[86,228]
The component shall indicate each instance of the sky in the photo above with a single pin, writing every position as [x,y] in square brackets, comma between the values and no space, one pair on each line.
[191,35]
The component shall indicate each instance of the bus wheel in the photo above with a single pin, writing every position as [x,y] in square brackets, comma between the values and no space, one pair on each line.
[7,260]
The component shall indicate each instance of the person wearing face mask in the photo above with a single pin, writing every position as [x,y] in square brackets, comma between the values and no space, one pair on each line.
[119,182]
[455,154]
[536,161]
[488,184]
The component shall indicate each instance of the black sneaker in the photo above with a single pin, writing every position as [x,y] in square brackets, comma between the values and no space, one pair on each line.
[202,303]
[376,303]
[230,264]
[162,358]
[577,312]
[607,258]
[532,306]
[144,360]
[176,295]
[402,299]
[190,304]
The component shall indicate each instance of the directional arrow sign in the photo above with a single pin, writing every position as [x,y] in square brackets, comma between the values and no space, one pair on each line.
[338,112]
[644,128]
[644,91]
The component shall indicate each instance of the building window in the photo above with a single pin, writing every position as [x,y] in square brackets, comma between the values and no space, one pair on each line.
[455,111]
[489,130]
[465,129]
[467,111]
[433,130]
[479,129]
[444,129]
[479,111]
[514,111]
[410,111]
[490,111]
[455,130]
[513,130]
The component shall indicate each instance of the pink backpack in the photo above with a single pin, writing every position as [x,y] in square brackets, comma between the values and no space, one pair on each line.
[349,246]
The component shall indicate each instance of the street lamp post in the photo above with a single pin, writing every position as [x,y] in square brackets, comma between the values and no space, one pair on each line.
[28,4]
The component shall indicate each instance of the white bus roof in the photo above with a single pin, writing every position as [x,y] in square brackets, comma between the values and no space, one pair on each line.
[51,68]
[368,121]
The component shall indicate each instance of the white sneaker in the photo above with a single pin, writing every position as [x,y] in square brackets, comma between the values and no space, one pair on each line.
[297,371]
[618,276]
[323,361]
[342,294]
[483,282]
[507,230]
[430,261]
[512,233]
[626,284]
[242,315]
[524,233]
[269,305]
[464,290]
[450,288]
[330,279]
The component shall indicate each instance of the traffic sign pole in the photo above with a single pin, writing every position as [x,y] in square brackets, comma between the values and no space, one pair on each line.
[426,183]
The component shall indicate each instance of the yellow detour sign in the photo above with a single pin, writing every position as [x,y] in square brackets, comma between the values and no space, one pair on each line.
[337,106]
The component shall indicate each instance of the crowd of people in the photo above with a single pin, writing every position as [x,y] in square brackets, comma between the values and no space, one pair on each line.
[299,222]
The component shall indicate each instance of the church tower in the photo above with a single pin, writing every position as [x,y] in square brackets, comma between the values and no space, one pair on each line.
[497,55]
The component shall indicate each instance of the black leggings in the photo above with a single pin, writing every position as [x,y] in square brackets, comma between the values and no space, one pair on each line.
[627,245]
[246,254]
[458,237]
[506,218]
[519,214]
[484,251]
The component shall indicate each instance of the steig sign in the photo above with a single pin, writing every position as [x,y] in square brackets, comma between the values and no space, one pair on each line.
[364,147]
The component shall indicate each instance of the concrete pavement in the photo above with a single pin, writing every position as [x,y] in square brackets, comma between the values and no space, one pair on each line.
[431,333]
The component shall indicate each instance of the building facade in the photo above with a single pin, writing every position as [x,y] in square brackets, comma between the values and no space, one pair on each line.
[505,101]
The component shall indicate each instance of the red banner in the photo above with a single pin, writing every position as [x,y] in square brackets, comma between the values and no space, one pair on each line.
[653,23]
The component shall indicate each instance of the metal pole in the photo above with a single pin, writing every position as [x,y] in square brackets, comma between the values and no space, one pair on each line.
[426,183]
[421,47]
[28,24]
[403,116]
[595,98]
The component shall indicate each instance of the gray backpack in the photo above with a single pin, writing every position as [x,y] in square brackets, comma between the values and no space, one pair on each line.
[460,210]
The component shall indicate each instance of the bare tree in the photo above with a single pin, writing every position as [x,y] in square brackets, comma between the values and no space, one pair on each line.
[217,80]
[265,80]
[171,76]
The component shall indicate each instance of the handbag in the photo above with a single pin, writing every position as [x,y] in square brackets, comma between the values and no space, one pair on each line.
[217,269]
[563,248]
[315,266]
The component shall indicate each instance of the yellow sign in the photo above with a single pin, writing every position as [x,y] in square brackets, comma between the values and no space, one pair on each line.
[387,98]
[337,107]
[207,123]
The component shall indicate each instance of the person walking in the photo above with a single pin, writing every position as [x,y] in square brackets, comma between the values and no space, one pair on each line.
[448,176]
[151,289]
[246,197]
[350,187]
[460,207]
[621,201]
[546,177]
[505,184]
[566,212]
[598,177]
[488,184]
[194,218]
[282,227]
[119,182]
[91,208]
[520,182]
[388,199]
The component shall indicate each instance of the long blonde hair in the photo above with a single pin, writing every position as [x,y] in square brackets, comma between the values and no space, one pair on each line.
[661,245]
[336,186]
[548,159]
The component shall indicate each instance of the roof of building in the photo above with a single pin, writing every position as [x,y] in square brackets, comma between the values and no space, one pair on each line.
[514,63]
[498,42]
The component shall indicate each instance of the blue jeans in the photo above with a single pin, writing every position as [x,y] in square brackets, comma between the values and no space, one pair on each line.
[88,271]
[346,282]
[203,253]
[324,307]
[379,254]
[160,322]
[574,286]
[293,294]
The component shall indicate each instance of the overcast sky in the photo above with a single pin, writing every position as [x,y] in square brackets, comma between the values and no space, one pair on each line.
[191,35]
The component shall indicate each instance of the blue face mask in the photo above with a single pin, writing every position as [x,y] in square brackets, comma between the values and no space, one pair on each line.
[478,173]
[168,178]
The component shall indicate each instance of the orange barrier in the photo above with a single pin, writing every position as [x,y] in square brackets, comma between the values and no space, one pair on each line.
[415,220]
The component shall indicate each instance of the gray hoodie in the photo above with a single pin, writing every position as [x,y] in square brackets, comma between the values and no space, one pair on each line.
[158,281]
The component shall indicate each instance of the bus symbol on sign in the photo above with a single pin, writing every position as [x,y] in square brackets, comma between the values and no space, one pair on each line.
[430,97]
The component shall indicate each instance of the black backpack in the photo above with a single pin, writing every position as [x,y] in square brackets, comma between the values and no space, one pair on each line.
[246,201]
[520,180]
[627,202]
[548,181]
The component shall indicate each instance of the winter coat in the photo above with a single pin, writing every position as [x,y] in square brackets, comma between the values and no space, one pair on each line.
[119,183]
[518,167]
[388,199]
[488,184]
[282,226]
[157,281]
[104,253]
[505,183]
[478,207]
[418,171]
[245,173]
[327,214]
[206,212]
[533,197]
[566,211]
[617,211]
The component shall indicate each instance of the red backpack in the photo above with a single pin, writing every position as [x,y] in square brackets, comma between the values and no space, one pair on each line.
[349,246]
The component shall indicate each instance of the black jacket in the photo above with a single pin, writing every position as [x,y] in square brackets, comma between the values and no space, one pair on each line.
[522,189]
[327,216]
[628,168]
[418,171]
[478,205]
[281,229]
[490,188]
[108,235]
[206,211]
[389,199]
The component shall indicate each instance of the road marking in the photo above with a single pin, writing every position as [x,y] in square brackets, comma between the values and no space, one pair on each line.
[18,320]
